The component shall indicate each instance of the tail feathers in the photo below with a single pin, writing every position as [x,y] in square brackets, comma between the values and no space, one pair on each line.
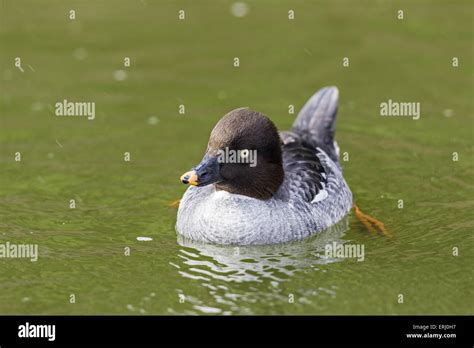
[317,120]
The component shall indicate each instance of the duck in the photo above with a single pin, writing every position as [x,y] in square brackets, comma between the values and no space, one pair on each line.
[294,187]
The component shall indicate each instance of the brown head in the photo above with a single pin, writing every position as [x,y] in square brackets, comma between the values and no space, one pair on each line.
[243,156]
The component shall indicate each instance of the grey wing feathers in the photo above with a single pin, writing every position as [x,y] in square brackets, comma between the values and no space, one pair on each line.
[304,171]
[316,121]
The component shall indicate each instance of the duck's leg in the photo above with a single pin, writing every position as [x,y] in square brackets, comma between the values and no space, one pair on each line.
[174,204]
[371,223]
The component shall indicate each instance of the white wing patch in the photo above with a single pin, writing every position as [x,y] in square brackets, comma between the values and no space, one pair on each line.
[338,150]
[323,194]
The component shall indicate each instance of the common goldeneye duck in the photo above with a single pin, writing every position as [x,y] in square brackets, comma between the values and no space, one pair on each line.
[292,188]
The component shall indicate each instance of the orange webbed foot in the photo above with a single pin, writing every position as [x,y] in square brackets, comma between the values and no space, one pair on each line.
[174,204]
[371,223]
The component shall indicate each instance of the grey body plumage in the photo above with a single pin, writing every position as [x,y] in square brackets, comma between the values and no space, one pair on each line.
[312,197]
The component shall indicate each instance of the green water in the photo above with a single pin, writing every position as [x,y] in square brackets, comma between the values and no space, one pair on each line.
[282,62]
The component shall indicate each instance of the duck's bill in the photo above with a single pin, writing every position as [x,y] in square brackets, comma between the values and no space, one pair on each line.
[190,178]
[205,173]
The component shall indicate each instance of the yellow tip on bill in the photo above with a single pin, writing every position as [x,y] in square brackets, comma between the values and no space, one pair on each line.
[190,178]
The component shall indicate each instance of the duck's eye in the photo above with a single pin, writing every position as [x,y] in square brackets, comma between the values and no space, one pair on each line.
[244,154]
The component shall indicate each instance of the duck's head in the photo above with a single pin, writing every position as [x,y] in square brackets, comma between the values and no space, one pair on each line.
[243,156]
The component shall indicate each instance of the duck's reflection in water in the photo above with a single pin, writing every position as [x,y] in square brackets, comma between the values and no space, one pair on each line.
[232,273]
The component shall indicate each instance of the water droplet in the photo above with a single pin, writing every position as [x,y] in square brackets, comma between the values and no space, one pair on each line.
[448,113]
[144,239]
[120,75]
[153,120]
[239,9]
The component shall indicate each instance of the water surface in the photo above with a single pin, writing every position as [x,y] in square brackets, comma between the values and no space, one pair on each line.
[83,251]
